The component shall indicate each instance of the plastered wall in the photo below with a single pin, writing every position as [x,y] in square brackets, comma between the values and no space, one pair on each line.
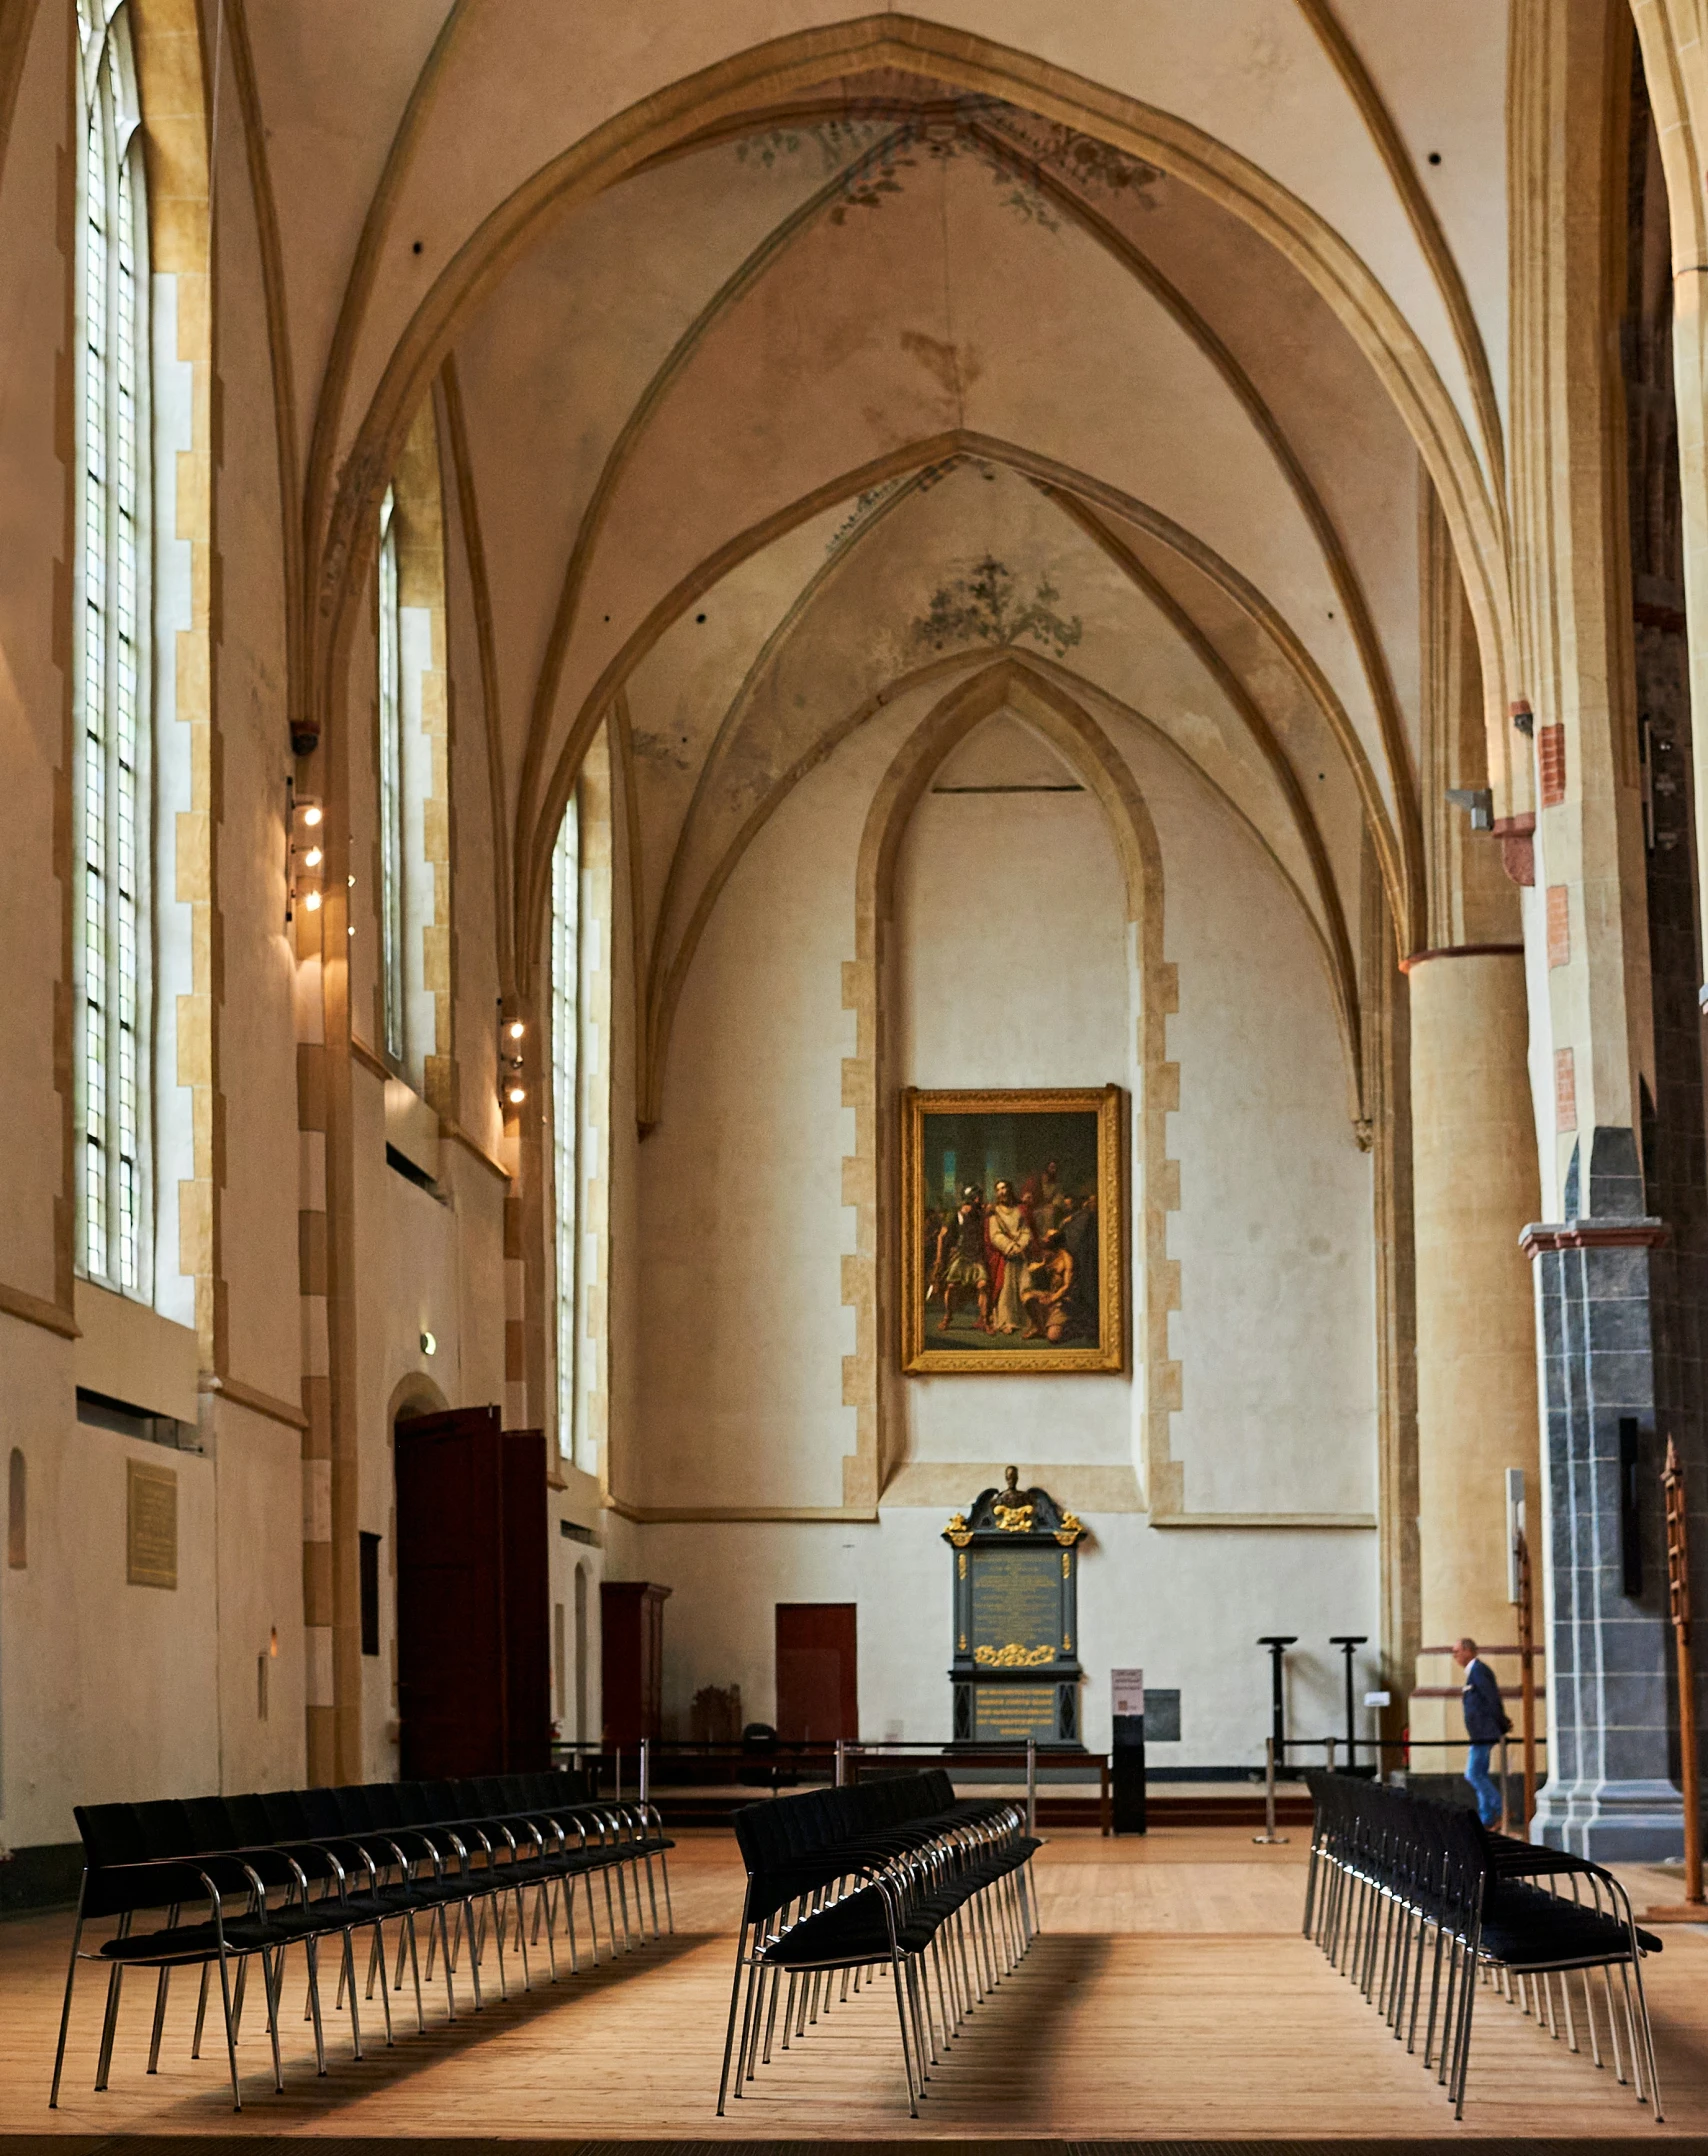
[1015,967]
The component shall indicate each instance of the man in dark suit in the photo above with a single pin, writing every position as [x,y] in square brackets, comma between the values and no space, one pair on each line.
[1486,1723]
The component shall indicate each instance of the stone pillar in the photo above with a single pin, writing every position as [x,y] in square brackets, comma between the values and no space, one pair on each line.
[1611,1792]
[1475,1187]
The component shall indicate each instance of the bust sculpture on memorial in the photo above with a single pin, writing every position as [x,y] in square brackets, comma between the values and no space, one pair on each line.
[1014,1511]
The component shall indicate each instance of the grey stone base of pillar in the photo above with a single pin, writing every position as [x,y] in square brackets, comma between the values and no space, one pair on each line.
[1611,1822]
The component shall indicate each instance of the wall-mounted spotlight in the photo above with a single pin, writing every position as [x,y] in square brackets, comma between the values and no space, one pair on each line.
[429,1346]
[512,1032]
[305,852]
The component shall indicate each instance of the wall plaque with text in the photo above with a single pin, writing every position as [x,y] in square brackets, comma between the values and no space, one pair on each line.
[1016,1672]
[151,1524]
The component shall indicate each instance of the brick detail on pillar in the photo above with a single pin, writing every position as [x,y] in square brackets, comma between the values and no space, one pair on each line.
[515,1314]
[316,1362]
[1610,1793]
[1518,847]
[1565,1089]
[1551,765]
[1559,925]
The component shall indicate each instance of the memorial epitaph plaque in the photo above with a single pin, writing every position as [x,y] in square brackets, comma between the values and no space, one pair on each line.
[1016,1670]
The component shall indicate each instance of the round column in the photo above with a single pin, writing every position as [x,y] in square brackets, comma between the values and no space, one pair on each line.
[1475,1188]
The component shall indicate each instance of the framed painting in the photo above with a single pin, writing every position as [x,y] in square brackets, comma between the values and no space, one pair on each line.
[1013,1232]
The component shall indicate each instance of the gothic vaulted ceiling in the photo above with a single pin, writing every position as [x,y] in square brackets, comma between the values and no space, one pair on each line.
[792,359]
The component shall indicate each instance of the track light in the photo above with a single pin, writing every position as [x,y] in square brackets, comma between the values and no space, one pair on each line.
[305,856]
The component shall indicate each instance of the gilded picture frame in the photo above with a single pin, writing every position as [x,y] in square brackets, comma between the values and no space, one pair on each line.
[1013,1245]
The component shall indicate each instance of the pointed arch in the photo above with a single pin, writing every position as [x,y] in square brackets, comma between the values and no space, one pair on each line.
[871,1382]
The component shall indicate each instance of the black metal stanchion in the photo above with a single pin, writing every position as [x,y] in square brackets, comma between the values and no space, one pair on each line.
[1278,1643]
[1349,1644]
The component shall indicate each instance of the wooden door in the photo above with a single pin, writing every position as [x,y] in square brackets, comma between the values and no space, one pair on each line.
[818,1683]
[631,1658]
[450,1594]
[527,1605]
[473,1623]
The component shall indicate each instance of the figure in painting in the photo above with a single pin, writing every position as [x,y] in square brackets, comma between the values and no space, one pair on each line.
[1049,1285]
[1008,1233]
[1049,1203]
[958,1263]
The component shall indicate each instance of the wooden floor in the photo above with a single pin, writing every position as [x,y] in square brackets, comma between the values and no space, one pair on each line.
[1170,1997]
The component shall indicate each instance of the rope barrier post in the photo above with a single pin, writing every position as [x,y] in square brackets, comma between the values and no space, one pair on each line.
[617,1771]
[645,1776]
[1031,1786]
[1269,1834]
[1505,1806]
[841,1759]
[1328,1754]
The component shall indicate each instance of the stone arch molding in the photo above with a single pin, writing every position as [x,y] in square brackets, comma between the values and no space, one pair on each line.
[871,1380]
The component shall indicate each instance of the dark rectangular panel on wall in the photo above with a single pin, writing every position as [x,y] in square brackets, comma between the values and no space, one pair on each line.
[450,1594]
[818,1682]
[368,1551]
[527,1604]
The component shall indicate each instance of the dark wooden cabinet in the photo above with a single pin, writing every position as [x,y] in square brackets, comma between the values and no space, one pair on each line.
[631,1660]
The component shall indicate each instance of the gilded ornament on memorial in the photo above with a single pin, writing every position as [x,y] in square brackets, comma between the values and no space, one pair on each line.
[1014,1656]
[1013,1519]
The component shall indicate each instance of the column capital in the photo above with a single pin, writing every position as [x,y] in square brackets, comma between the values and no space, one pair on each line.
[1645,1233]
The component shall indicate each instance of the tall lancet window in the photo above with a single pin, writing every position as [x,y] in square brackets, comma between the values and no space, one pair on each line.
[391,782]
[110,660]
[566,1117]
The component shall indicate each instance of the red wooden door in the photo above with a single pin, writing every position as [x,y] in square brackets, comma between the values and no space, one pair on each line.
[818,1682]
[473,1644]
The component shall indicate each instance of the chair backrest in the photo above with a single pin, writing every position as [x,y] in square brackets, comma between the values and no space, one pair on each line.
[119,1877]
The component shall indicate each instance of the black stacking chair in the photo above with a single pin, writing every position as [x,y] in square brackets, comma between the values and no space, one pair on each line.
[140,1863]
[1399,1887]
[889,1877]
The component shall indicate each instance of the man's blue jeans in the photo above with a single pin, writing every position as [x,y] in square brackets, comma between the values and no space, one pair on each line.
[1483,1782]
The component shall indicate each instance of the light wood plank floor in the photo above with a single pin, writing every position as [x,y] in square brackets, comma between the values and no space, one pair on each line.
[1170,1996]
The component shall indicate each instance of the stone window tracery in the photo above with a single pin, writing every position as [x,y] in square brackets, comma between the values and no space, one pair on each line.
[390,643]
[113,713]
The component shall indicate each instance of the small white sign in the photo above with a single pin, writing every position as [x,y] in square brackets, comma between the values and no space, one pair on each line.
[1128,1689]
[1378,1699]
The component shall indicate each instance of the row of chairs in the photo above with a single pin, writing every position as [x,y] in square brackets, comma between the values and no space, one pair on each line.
[1401,1888]
[891,1878]
[214,1883]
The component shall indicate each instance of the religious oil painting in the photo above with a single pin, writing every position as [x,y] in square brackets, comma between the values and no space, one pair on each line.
[1013,1243]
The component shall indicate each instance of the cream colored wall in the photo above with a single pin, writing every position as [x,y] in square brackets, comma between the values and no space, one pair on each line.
[1274,1234]
[110,1691]
[1187,1608]
[1014,970]
[740,1329]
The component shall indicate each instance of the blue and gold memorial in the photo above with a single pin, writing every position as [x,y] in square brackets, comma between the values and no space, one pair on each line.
[1016,1669]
